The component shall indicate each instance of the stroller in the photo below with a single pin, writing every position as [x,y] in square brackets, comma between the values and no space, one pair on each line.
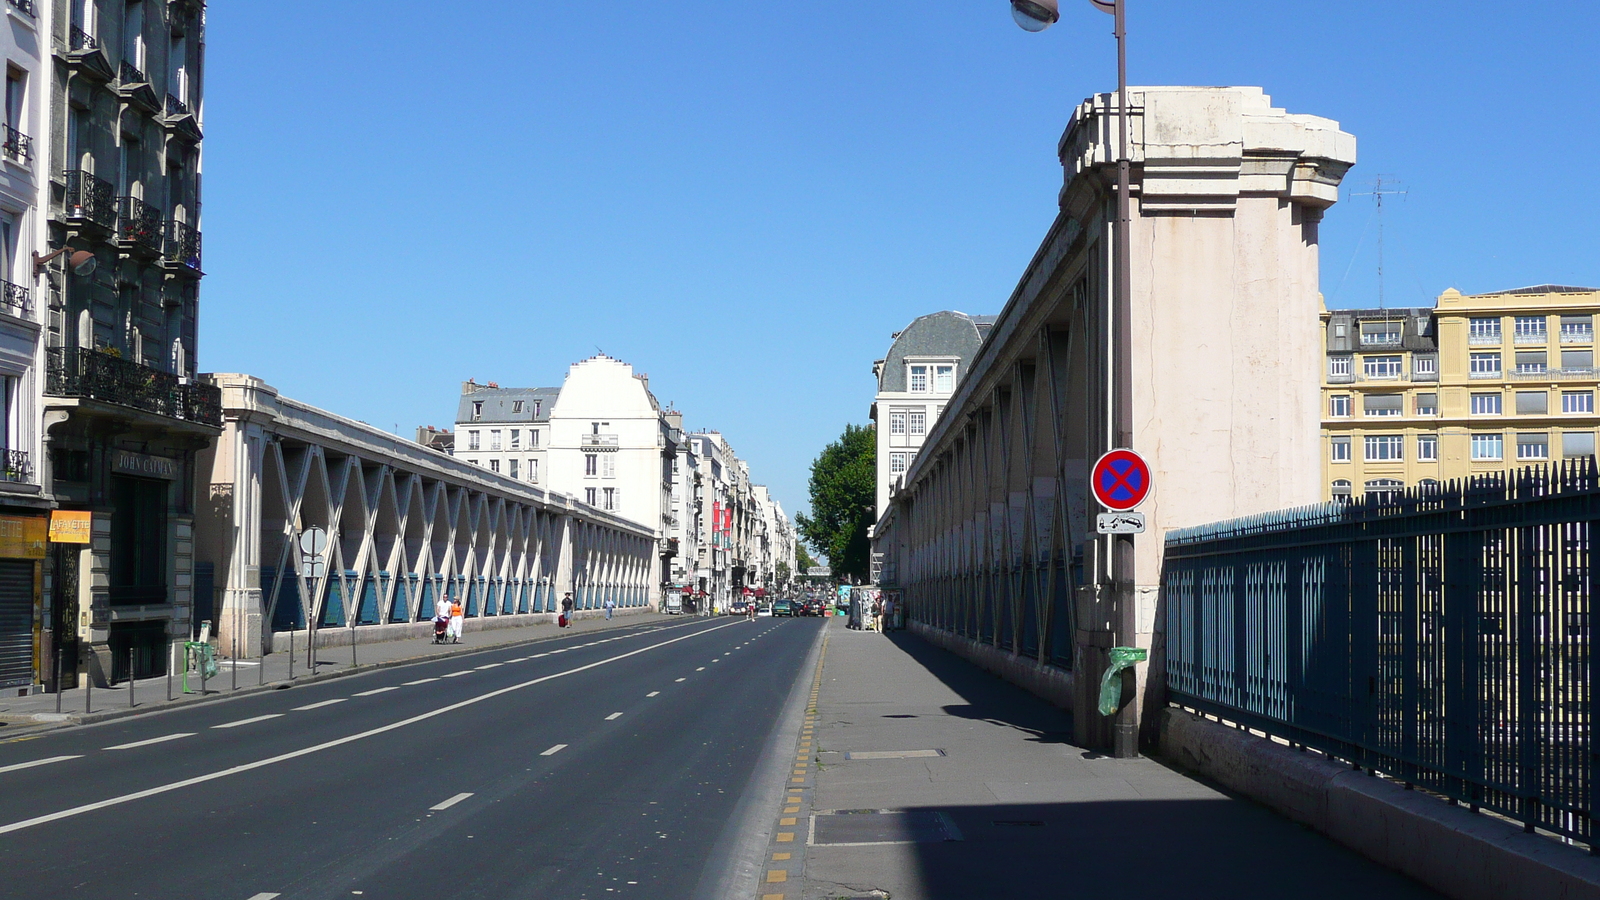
[441,628]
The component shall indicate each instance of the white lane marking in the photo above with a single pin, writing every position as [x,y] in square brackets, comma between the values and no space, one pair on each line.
[680,679]
[537,655]
[265,896]
[613,716]
[249,721]
[328,745]
[449,803]
[701,669]
[562,650]
[145,743]
[489,666]
[320,705]
[420,681]
[716,660]
[454,674]
[652,693]
[38,762]
[518,659]
[392,687]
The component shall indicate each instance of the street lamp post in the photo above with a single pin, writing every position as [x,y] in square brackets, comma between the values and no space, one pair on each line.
[1035,16]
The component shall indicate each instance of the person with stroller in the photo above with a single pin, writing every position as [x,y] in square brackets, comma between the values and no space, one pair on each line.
[441,619]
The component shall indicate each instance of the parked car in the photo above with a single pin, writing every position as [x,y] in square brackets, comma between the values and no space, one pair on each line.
[764,610]
[783,608]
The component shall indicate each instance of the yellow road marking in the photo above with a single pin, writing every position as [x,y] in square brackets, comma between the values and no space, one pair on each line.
[785,837]
[776,875]
[787,820]
[781,856]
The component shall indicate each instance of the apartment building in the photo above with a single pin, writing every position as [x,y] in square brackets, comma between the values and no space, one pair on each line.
[915,380]
[1478,384]
[504,430]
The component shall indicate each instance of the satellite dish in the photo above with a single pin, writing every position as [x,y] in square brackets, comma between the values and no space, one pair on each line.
[83,262]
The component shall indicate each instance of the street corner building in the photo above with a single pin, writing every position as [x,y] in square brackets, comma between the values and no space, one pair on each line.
[991,535]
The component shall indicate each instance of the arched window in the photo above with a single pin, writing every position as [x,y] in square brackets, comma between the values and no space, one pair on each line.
[1341,490]
[1384,490]
[1428,485]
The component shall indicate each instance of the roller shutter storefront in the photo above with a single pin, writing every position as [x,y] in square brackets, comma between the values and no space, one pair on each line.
[16,622]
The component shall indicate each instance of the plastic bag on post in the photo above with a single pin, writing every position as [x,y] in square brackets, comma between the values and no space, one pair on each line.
[1119,658]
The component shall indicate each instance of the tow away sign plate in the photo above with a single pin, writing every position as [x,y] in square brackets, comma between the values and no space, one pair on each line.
[1119,523]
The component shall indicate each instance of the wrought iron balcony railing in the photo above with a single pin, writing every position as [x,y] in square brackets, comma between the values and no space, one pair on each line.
[90,198]
[176,107]
[139,222]
[24,6]
[128,73]
[1488,339]
[96,375]
[183,244]
[15,299]
[81,40]
[17,146]
[1576,335]
[18,467]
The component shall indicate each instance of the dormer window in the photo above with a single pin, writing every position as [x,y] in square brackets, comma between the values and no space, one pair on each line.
[917,380]
[944,379]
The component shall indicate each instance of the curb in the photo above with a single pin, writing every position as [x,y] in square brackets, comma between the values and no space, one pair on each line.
[783,872]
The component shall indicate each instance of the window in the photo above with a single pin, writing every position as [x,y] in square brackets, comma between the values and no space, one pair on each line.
[477,410]
[1577,329]
[1384,490]
[1484,365]
[1427,404]
[1529,329]
[1577,401]
[944,379]
[1423,364]
[16,84]
[516,439]
[590,495]
[1532,360]
[1533,403]
[918,380]
[897,423]
[1382,367]
[897,463]
[1427,485]
[511,468]
[1380,334]
[919,423]
[1384,447]
[516,406]
[1338,366]
[1341,490]
[8,249]
[1382,404]
[608,499]
[472,462]
[1488,446]
[472,440]
[133,34]
[1339,406]
[608,466]
[1577,443]
[536,405]
[494,439]
[1483,331]
[494,465]
[1486,404]
[533,438]
[591,464]
[1577,359]
[1533,446]
[533,471]
[1339,449]
[1427,448]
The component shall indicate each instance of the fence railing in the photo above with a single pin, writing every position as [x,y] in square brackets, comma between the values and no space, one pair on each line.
[94,375]
[1440,637]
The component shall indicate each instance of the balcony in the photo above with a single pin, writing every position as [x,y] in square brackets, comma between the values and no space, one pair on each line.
[96,375]
[16,146]
[134,85]
[15,299]
[1531,337]
[24,6]
[597,441]
[1484,340]
[1380,340]
[1577,335]
[90,200]
[179,119]
[18,467]
[139,225]
[1568,373]
[183,246]
[1476,375]
[85,55]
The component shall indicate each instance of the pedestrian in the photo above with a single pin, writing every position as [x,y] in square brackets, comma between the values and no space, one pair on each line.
[441,619]
[566,610]
[457,615]
[610,605]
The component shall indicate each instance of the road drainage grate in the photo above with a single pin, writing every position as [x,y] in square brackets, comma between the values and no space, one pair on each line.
[845,827]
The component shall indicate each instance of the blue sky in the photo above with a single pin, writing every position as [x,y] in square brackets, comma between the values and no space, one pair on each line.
[745,200]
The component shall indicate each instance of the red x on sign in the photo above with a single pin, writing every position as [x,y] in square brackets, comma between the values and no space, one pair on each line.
[1120,480]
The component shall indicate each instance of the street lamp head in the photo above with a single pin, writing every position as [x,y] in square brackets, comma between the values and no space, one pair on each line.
[1035,15]
[82,262]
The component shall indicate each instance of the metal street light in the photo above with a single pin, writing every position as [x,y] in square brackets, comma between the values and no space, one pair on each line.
[1035,16]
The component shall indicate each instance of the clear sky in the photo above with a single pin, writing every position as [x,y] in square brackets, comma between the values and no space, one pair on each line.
[745,199]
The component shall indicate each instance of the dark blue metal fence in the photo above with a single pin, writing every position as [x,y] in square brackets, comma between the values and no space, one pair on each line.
[1441,637]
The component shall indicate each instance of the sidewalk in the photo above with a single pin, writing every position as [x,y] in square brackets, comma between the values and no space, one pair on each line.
[17,714]
[934,780]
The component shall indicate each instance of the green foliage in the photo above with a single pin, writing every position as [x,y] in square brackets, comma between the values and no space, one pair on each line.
[843,502]
[803,560]
[782,572]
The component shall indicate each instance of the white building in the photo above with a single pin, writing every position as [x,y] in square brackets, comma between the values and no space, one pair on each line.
[505,430]
[920,374]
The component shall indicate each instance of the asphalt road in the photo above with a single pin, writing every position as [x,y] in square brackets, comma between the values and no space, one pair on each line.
[596,765]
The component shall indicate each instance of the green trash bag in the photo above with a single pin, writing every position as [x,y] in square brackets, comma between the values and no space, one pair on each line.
[1111,682]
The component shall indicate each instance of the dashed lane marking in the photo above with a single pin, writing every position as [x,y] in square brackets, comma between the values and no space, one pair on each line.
[615,715]
[675,680]
[454,674]
[421,681]
[156,740]
[554,750]
[652,693]
[250,721]
[265,896]
[489,666]
[392,687]
[320,705]
[38,762]
[701,669]
[449,803]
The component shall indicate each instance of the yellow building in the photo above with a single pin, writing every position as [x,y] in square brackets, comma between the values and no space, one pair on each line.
[1480,383]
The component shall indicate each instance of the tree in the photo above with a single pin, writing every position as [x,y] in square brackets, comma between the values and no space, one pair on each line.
[843,502]
[781,570]
[803,560]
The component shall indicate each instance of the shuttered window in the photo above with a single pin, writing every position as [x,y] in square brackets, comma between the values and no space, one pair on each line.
[1532,403]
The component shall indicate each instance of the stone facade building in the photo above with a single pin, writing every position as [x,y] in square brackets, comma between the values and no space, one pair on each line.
[505,430]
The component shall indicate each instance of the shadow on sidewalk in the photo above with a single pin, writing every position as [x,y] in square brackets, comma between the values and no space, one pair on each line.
[989,698]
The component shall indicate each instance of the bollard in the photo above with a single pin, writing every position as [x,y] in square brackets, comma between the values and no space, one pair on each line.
[58,680]
[291,651]
[235,668]
[131,704]
[352,646]
[201,661]
[88,688]
[169,671]
[261,666]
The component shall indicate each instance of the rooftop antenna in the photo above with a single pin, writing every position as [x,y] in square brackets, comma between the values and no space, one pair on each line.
[1377,194]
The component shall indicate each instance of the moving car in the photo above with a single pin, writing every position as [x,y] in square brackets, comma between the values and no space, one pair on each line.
[738,608]
[783,608]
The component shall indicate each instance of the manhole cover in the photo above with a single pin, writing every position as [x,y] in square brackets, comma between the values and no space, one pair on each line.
[893,754]
[882,826]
